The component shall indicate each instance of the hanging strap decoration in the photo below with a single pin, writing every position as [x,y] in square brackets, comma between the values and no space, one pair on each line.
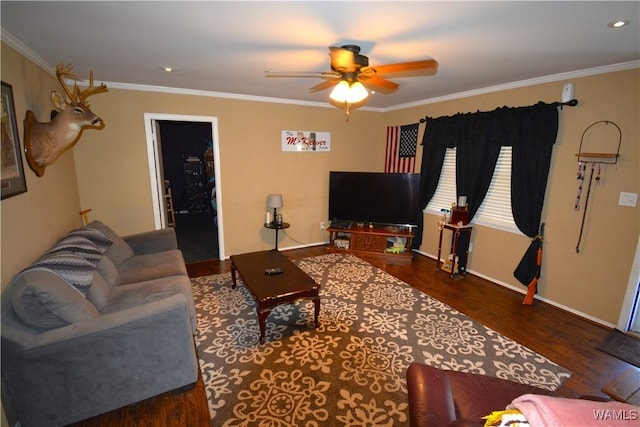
[582,166]
[584,213]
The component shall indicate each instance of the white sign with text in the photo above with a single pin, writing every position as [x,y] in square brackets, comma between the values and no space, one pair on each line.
[295,140]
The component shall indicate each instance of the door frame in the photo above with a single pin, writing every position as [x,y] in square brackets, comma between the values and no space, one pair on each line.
[154,157]
[629,319]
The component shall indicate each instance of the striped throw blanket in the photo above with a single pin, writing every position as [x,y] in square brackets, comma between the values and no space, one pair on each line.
[74,258]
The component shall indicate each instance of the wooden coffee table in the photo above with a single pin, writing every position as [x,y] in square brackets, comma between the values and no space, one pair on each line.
[272,290]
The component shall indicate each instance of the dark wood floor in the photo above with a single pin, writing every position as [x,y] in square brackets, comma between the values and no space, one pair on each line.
[559,335]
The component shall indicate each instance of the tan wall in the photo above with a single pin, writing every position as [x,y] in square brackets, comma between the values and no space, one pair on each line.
[31,222]
[593,282]
[114,177]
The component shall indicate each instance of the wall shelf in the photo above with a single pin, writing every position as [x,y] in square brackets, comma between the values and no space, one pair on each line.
[599,157]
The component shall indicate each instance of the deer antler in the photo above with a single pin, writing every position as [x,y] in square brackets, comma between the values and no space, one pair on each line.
[91,90]
[63,71]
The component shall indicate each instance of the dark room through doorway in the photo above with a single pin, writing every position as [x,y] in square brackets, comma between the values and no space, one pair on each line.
[189,177]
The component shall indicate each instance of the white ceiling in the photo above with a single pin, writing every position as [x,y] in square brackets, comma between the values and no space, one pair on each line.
[225,47]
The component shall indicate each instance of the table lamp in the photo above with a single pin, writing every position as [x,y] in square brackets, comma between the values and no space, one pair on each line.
[274,201]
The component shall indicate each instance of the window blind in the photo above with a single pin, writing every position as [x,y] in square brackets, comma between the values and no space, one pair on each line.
[495,210]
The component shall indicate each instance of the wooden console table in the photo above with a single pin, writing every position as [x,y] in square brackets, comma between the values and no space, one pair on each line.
[454,264]
[386,240]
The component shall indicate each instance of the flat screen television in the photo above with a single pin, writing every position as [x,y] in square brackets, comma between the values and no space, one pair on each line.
[380,198]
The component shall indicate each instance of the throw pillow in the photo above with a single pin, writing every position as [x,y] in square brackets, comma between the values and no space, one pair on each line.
[43,301]
[98,238]
[99,291]
[108,270]
[77,271]
[120,250]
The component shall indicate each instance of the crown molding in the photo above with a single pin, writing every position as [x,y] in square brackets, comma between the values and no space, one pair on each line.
[623,66]
[25,51]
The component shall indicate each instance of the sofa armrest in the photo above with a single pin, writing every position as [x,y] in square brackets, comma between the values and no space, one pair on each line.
[92,367]
[430,399]
[152,241]
[451,398]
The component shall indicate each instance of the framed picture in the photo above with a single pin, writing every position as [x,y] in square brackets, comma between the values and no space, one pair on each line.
[12,172]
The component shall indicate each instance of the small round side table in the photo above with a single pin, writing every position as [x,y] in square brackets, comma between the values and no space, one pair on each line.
[273,226]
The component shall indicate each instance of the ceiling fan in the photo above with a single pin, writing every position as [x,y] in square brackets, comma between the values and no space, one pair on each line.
[353,78]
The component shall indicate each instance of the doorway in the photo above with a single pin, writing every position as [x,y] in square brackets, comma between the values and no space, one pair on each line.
[184,166]
[629,321]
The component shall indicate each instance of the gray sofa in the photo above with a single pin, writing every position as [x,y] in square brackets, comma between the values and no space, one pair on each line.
[95,324]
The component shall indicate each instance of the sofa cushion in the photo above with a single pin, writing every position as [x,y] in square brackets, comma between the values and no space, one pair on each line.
[99,291]
[43,301]
[108,270]
[119,250]
[139,268]
[143,292]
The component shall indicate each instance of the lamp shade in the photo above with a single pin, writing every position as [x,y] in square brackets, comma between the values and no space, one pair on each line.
[357,93]
[274,201]
[340,93]
[351,93]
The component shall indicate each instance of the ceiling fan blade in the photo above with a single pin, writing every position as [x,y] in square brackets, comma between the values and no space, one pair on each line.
[342,60]
[377,83]
[324,85]
[427,67]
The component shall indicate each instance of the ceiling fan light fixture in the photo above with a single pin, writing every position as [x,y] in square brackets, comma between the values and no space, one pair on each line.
[349,93]
[340,93]
[357,93]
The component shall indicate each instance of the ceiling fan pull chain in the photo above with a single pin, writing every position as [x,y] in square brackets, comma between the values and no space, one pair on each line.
[348,110]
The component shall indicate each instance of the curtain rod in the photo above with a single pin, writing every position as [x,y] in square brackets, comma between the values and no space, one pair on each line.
[571,103]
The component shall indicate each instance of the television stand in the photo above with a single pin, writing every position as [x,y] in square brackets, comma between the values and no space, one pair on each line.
[372,239]
[342,225]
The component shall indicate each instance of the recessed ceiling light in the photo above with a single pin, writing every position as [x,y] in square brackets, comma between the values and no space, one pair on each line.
[618,24]
[168,69]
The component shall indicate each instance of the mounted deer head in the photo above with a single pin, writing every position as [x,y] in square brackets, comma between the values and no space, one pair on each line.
[45,142]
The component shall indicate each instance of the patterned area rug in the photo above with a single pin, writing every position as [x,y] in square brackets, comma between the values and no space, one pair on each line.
[350,370]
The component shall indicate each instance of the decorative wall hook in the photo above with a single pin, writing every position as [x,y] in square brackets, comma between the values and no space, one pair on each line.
[592,158]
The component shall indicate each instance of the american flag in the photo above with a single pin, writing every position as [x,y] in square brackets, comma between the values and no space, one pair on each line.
[402,143]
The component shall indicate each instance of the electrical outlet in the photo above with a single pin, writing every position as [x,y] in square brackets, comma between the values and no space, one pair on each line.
[628,199]
[322,225]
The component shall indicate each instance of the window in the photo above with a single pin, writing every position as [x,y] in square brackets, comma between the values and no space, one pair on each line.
[495,210]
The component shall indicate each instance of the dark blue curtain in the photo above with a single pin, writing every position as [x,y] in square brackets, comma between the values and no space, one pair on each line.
[531,131]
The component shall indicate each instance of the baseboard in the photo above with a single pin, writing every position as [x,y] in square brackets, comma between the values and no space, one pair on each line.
[302,246]
[522,290]
[289,248]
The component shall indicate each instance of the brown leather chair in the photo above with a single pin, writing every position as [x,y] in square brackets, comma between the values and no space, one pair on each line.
[439,398]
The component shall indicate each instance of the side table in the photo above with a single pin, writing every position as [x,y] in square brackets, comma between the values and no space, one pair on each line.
[273,226]
[458,263]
